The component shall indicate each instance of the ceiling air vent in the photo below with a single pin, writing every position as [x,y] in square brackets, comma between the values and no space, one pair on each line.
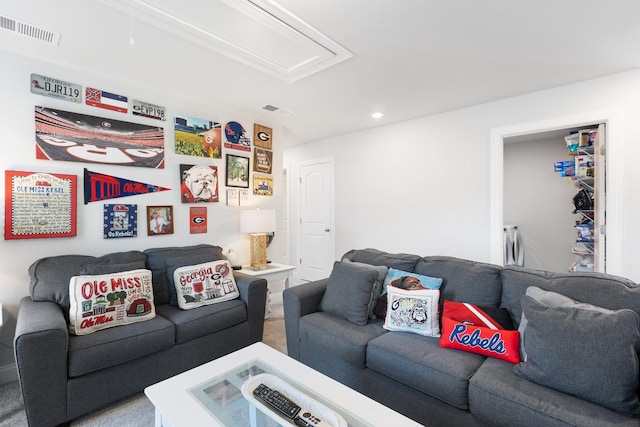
[277,110]
[28,30]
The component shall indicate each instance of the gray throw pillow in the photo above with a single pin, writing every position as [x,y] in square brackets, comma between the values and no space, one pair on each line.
[349,292]
[377,286]
[581,349]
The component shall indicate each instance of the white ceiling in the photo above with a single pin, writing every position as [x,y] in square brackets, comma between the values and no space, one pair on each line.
[411,58]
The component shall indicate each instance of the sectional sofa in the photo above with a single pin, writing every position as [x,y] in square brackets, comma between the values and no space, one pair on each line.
[579,334]
[64,376]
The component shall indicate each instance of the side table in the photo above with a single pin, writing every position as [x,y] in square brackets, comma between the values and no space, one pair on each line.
[273,272]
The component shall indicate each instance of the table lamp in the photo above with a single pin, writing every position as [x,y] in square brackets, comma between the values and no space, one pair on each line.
[257,223]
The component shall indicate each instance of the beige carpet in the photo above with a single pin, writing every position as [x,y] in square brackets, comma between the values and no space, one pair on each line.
[134,411]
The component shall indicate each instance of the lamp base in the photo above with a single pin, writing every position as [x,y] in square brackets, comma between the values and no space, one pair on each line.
[258,251]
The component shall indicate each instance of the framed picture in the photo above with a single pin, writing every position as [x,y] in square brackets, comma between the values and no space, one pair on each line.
[237,171]
[39,205]
[159,220]
[198,137]
[262,136]
[199,183]
[262,185]
[120,221]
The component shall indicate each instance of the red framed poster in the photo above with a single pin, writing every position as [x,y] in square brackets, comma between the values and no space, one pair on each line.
[39,205]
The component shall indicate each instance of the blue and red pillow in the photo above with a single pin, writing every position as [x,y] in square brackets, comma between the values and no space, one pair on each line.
[485,331]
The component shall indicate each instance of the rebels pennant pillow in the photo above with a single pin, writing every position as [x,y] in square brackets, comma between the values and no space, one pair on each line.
[468,327]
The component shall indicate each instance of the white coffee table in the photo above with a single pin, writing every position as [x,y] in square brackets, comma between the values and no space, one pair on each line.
[210,395]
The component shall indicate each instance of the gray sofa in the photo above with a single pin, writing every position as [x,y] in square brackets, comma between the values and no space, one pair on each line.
[64,376]
[440,386]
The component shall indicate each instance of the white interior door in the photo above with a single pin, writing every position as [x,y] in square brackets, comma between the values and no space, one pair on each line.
[316,238]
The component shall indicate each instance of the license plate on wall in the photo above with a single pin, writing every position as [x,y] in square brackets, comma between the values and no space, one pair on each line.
[47,86]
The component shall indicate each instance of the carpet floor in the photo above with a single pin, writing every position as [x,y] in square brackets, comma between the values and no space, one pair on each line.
[134,411]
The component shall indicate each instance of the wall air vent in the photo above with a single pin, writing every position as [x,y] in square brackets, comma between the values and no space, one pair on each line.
[277,110]
[27,30]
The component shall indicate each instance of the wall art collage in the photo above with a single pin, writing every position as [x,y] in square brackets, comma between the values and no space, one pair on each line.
[44,205]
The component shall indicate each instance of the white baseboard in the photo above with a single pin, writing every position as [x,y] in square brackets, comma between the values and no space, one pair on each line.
[8,374]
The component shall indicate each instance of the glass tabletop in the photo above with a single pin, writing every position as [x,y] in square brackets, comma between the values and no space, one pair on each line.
[222,398]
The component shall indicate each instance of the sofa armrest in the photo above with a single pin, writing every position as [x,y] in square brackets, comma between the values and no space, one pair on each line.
[253,291]
[40,346]
[299,301]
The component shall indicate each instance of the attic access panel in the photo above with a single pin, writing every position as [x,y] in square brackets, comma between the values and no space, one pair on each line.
[258,33]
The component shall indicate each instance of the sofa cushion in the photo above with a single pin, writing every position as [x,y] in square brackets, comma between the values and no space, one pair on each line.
[204,284]
[382,271]
[108,300]
[341,338]
[50,276]
[159,258]
[419,362]
[464,280]
[581,349]
[350,292]
[106,268]
[497,396]
[191,324]
[114,346]
[603,290]
[405,262]
[413,311]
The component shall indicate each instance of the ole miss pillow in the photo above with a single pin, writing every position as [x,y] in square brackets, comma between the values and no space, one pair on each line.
[468,327]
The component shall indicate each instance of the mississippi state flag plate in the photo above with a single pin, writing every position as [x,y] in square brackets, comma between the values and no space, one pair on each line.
[467,327]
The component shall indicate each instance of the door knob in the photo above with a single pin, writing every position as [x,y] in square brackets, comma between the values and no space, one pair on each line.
[326,230]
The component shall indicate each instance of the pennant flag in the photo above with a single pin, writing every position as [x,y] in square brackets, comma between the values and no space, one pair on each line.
[110,101]
[99,186]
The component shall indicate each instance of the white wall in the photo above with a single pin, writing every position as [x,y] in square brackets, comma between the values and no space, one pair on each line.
[423,186]
[539,201]
[18,145]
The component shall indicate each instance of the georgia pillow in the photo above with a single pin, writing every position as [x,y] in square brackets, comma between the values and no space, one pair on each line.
[108,300]
[471,328]
[581,349]
[413,311]
[204,284]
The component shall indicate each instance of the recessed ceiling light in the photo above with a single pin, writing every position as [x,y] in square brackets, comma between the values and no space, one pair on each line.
[377,115]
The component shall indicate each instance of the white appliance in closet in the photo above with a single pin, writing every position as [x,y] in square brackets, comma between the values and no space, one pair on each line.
[512,249]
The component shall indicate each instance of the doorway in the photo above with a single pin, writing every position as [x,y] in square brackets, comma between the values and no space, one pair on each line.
[612,120]
[316,217]
[540,182]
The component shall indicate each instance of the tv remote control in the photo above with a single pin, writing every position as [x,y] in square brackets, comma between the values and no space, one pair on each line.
[276,400]
[307,419]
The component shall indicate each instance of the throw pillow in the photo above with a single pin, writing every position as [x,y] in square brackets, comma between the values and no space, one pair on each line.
[413,311]
[182,261]
[410,281]
[403,280]
[377,285]
[108,300]
[349,292]
[471,328]
[204,284]
[581,349]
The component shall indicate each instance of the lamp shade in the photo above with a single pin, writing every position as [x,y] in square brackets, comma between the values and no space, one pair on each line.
[258,221]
